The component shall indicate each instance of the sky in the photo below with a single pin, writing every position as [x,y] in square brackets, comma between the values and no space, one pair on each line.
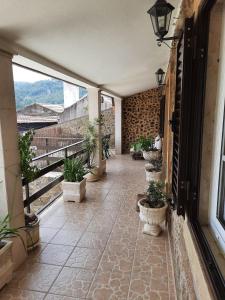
[21,74]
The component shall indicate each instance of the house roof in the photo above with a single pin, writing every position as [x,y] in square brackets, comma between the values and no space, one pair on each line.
[36,119]
[54,107]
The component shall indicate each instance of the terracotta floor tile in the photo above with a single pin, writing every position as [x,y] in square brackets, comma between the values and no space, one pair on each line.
[46,234]
[73,282]
[16,294]
[59,297]
[67,237]
[96,240]
[84,258]
[96,249]
[36,277]
[55,254]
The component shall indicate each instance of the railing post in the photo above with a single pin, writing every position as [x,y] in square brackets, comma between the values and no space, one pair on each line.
[27,197]
[47,144]
[66,153]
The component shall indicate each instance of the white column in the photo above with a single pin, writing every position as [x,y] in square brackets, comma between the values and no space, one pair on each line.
[118,125]
[94,111]
[11,198]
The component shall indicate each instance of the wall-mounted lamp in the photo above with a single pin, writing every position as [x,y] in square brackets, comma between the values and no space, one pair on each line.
[160,74]
[160,14]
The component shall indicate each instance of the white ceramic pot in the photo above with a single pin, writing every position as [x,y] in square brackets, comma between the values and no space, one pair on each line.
[6,263]
[33,235]
[152,217]
[93,175]
[151,155]
[74,191]
[153,176]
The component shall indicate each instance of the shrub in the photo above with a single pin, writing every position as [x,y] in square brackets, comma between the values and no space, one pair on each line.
[74,170]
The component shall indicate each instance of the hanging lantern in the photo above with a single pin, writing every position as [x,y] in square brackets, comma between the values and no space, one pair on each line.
[160,74]
[160,14]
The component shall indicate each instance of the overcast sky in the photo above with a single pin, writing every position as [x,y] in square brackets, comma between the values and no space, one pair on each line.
[21,74]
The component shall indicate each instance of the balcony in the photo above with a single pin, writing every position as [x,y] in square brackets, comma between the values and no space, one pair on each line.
[96,249]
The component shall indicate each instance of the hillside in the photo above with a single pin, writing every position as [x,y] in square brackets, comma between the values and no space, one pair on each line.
[43,91]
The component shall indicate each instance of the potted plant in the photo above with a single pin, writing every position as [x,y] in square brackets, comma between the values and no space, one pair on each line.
[90,145]
[29,172]
[148,149]
[153,170]
[6,263]
[105,143]
[136,150]
[74,184]
[153,208]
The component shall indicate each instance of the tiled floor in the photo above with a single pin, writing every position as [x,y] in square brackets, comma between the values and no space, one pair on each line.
[96,250]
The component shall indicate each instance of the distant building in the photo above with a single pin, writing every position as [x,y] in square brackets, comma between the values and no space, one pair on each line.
[36,116]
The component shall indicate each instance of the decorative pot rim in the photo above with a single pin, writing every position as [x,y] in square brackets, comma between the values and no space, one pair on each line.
[153,171]
[151,208]
[7,244]
[76,182]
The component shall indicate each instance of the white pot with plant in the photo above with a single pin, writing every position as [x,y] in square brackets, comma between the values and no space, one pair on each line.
[90,145]
[153,170]
[6,262]
[29,173]
[148,149]
[153,208]
[74,184]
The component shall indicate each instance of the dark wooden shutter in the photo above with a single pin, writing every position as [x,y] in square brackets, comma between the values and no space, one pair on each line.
[181,119]
[162,116]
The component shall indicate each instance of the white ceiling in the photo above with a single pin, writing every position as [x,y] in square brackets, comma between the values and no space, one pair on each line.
[109,42]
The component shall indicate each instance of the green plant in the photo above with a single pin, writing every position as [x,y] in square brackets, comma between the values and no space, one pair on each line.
[7,232]
[143,144]
[26,155]
[74,170]
[155,195]
[90,144]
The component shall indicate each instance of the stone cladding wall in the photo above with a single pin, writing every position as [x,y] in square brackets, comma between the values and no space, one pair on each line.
[140,117]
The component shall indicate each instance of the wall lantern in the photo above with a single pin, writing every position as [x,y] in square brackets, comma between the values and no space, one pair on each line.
[160,14]
[160,74]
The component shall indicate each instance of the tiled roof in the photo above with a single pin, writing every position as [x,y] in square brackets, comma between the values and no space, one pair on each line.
[55,107]
[36,119]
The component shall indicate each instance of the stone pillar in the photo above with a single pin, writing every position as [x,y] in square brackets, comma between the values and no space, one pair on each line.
[11,197]
[118,125]
[94,111]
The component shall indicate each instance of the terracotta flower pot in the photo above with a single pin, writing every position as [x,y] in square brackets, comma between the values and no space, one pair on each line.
[152,217]
[74,191]
[6,263]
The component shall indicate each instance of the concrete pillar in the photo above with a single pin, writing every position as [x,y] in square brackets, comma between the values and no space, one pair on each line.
[118,125]
[11,197]
[94,111]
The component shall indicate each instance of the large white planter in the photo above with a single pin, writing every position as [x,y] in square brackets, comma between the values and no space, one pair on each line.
[152,217]
[153,176]
[151,155]
[74,191]
[93,175]
[6,263]
[33,235]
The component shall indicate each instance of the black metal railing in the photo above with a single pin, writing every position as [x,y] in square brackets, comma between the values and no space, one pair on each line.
[68,153]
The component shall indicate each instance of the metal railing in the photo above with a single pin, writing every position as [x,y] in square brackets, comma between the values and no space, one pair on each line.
[49,168]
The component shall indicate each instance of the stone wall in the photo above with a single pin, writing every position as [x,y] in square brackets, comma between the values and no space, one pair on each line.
[140,117]
[76,128]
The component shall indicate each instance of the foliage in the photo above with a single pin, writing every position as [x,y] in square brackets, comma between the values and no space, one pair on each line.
[74,170]
[7,232]
[105,138]
[143,144]
[43,91]
[155,196]
[26,155]
[90,144]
